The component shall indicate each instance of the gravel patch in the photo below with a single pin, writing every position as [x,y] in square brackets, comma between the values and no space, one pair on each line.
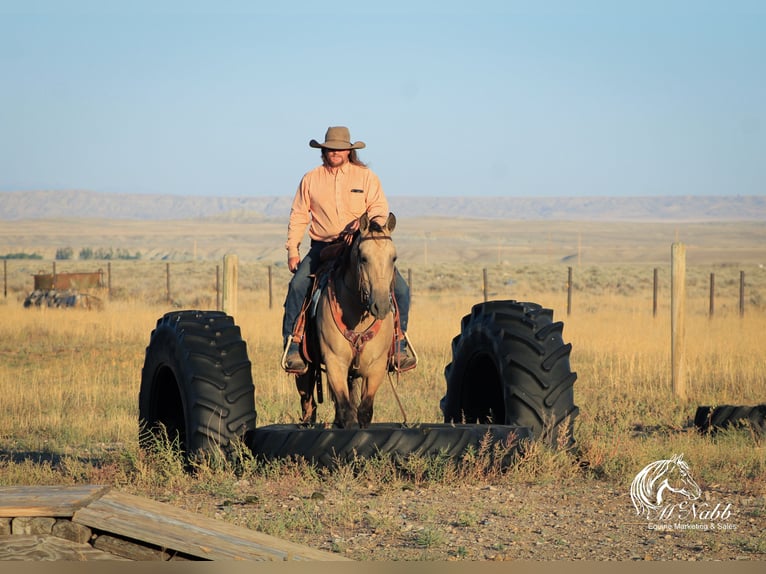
[582,520]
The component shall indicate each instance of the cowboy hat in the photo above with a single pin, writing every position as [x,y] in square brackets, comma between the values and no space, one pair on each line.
[337,138]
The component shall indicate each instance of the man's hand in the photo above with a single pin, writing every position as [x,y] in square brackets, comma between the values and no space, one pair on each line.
[292,263]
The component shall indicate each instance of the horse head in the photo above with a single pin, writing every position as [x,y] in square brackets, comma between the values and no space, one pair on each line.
[373,261]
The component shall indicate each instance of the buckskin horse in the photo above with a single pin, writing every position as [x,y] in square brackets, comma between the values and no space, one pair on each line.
[354,326]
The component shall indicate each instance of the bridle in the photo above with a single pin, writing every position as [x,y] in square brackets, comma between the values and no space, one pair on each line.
[363,286]
[357,340]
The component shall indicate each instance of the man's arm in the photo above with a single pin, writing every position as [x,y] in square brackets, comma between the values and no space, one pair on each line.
[300,216]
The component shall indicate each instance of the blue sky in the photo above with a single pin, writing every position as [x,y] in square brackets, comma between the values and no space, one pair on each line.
[481,98]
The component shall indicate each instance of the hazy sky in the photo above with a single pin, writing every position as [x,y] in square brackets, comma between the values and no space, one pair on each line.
[512,98]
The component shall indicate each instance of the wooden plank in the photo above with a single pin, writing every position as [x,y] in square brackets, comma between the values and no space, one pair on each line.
[42,547]
[54,501]
[129,550]
[172,528]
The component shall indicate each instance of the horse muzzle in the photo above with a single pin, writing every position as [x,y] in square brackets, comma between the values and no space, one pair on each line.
[378,305]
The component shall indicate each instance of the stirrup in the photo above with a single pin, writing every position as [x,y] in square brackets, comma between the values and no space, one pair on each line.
[283,362]
[394,365]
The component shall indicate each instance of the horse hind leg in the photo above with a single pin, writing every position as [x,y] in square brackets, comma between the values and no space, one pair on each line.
[305,384]
[308,411]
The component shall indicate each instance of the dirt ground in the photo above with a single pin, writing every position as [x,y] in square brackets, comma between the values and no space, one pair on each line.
[586,520]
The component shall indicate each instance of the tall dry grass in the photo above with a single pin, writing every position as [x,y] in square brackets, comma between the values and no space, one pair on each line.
[69,378]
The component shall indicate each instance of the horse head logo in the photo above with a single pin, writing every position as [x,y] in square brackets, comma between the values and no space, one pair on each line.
[659,478]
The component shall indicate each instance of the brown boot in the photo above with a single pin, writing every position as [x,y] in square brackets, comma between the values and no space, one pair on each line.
[292,360]
[402,359]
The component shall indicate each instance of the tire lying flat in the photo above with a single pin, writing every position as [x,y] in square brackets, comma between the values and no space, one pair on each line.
[196,382]
[329,446]
[510,365]
[709,419]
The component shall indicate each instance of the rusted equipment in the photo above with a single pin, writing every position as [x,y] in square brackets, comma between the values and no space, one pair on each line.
[65,290]
[62,298]
[48,281]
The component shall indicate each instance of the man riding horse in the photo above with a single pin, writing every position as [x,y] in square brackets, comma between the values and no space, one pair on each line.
[330,199]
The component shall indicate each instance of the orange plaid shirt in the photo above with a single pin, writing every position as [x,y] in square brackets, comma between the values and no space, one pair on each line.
[326,203]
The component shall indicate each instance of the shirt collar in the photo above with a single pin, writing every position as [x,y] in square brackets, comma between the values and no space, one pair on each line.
[343,170]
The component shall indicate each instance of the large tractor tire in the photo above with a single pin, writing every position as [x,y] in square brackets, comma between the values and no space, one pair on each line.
[709,419]
[329,446]
[196,383]
[511,366]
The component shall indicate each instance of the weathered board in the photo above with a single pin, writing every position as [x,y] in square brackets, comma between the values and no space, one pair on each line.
[169,527]
[175,532]
[41,547]
[54,501]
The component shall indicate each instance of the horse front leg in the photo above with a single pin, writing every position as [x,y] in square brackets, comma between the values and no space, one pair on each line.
[370,386]
[305,384]
[345,409]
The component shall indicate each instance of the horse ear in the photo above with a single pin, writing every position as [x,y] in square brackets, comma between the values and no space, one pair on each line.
[364,223]
[391,222]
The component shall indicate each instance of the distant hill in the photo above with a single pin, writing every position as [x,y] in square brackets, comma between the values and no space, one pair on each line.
[67,204]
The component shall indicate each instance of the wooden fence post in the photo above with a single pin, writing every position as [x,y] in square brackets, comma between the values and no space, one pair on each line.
[167,282]
[217,287]
[270,292]
[712,295]
[230,276]
[741,293]
[655,288]
[677,320]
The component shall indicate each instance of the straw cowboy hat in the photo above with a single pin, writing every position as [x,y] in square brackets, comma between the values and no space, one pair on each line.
[337,138]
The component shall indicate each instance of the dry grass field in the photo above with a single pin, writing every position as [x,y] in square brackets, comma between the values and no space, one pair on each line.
[69,378]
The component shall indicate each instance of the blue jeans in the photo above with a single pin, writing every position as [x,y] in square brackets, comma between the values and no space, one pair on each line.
[300,284]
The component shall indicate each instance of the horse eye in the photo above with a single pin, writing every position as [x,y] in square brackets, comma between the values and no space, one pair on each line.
[363,260]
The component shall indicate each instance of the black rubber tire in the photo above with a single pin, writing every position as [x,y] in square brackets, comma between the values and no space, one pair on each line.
[709,419]
[197,382]
[510,365]
[327,447]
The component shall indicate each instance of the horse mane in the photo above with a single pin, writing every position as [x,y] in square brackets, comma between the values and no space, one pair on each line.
[375,227]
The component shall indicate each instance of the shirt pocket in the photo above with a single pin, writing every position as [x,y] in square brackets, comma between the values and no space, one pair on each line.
[357,201]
